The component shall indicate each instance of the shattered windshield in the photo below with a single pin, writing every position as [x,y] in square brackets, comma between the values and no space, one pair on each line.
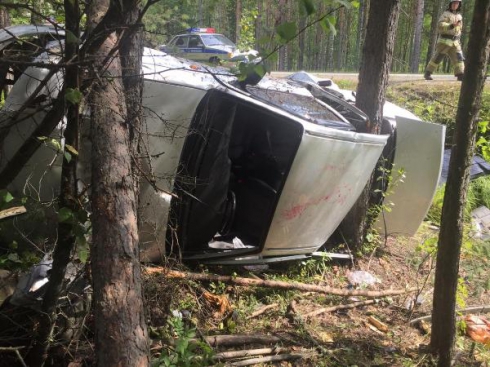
[305,107]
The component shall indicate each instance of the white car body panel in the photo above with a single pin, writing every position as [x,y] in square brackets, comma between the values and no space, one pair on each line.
[419,153]
[319,192]
[319,183]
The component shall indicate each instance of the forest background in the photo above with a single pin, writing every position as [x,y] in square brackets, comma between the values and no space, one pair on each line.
[329,42]
[310,49]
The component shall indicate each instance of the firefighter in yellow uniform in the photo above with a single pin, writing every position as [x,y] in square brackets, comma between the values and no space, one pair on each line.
[449,28]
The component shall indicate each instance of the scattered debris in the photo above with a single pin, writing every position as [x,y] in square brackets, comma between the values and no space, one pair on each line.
[464,311]
[423,326]
[361,278]
[411,302]
[240,340]
[262,310]
[254,361]
[478,328]
[381,326]
[481,222]
[220,302]
[16,351]
[340,307]
[10,212]
[8,280]
[248,353]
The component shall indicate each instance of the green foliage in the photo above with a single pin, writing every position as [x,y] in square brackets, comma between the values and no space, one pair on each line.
[185,352]
[435,210]
[328,25]
[165,19]
[217,287]
[428,246]
[483,140]
[317,265]
[11,256]
[308,6]
[74,96]
[286,31]
[475,257]
[247,29]
[478,195]
[80,226]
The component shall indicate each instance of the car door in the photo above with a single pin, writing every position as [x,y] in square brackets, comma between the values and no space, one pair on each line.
[195,49]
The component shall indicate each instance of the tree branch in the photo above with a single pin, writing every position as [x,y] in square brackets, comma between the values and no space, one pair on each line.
[274,283]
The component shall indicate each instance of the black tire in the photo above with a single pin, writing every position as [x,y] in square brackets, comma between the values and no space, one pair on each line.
[214,60]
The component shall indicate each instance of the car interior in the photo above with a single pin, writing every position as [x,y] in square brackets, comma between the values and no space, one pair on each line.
[232,170]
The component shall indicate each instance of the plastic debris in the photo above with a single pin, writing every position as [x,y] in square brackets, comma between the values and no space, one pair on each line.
[411,302]
[361,278]
[223,245]
[478,328]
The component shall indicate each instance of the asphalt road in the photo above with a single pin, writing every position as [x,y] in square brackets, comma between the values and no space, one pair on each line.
[353,76]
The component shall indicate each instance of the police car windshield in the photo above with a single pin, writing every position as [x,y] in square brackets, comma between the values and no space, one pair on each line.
[216,40]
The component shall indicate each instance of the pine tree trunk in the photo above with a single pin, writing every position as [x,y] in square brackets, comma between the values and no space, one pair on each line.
[436,13]
[360,28]
[417,38]
[370,98]
[121,337]
[238,17]
[451,232]
[301,44]
[4,18]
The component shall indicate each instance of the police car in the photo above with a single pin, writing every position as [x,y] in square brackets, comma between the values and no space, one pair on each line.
[205,45]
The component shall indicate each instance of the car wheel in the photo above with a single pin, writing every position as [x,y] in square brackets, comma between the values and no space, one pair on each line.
[214,60]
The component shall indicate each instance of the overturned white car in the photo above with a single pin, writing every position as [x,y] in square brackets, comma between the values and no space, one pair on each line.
[261,173]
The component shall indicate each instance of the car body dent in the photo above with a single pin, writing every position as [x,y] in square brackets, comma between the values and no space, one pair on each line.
[416,152]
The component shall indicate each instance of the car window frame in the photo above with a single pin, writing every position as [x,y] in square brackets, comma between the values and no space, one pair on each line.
[185,40]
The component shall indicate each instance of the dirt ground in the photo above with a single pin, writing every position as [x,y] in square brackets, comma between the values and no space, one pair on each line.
[344,337]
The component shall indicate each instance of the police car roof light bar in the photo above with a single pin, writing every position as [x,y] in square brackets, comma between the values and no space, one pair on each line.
[201,30]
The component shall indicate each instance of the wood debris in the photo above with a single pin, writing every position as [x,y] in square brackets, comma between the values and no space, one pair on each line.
[262,310]
[381,326]
[220,302]
[10,212]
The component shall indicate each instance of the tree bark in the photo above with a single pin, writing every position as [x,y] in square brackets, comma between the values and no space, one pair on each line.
[451,232]
[437,6]
[4,18]
[121,337]
[373,79]
[417,37]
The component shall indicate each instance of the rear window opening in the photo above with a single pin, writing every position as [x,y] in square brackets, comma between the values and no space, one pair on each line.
[18,55]
[232,170]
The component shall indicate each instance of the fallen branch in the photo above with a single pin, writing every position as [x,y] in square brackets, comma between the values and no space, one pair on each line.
[240,339]
[252,361]
[464,311]
[10,212]
[339,307]
[381,326]
[262,310]
[16,351]
[248,353]
[274,283]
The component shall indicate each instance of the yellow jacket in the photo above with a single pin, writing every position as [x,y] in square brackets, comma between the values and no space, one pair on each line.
[448,34]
